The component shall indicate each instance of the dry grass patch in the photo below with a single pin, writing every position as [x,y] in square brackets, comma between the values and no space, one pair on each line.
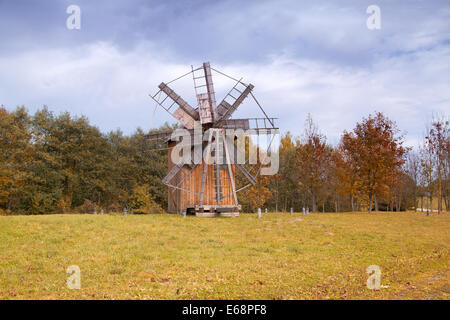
[319,256]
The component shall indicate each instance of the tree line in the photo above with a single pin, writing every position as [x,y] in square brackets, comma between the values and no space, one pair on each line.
[60,163]
[369,169]
[51,164]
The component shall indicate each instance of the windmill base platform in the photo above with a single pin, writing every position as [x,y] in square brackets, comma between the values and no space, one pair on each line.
[210,211]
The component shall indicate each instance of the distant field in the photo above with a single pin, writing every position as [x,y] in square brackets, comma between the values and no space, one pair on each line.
[318,256]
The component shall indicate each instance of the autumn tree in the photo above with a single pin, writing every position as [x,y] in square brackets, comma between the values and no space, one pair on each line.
[437,141]
[16,154]
[346,172]
[413,171]
[256,196]
[427,165]
[285,182]
[446,175]
[313,160]
[376,150]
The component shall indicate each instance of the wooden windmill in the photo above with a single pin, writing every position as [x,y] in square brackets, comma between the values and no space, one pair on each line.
[207,188]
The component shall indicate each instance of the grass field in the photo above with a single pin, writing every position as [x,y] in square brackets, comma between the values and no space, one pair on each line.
[319,256]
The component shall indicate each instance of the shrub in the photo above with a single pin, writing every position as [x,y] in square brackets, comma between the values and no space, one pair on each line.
[143,202]
[87,207]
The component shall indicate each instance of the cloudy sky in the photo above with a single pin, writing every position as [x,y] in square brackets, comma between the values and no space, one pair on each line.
[303,57]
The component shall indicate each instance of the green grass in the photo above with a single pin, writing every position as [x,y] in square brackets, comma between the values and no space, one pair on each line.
[167,257]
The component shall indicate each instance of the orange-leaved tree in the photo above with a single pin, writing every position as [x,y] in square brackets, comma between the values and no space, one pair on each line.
[375,150]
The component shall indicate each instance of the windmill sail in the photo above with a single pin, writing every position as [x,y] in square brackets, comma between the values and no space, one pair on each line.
[204,108]
[206,98]
[224,110]
[185,113]
[210,89]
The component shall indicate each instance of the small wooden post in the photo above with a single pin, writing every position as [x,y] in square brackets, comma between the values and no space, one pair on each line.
[259,212]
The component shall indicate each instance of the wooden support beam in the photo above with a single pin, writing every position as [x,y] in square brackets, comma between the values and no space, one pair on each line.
[235,124]
[240,166]
[230,172]
[205,168]
[246,173]
[158,136]
[217,168]
[172,173]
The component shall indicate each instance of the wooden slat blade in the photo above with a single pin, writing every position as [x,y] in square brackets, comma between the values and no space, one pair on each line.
[230,109]
[222,108]
[210,89]
[185,111]
[204,108]
[185,119]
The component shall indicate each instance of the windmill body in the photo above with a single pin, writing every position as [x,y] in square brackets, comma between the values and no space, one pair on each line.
[207,187]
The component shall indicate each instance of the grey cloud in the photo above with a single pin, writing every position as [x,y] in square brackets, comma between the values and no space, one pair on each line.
[303,56]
